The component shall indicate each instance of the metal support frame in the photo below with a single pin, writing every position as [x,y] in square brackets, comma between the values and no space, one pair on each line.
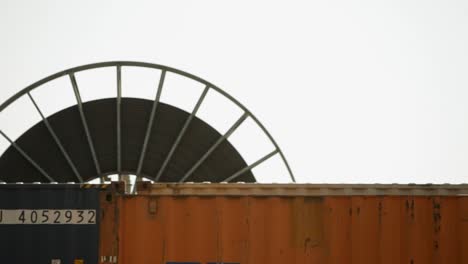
[150,125]
[27,157]
[56,139]
[214,146]
[164,69]
[253,165]
[85,125]
[182,132]
[119,127]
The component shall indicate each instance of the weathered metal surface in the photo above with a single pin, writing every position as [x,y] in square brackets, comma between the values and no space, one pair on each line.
[42,223]
[253,227]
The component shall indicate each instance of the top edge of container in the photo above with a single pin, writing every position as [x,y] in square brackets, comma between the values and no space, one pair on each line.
[260,189]
[265,189]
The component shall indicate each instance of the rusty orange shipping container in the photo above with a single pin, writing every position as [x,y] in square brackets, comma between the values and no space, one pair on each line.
[292,223]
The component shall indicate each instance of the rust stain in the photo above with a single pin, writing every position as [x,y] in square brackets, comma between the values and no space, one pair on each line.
[307,224]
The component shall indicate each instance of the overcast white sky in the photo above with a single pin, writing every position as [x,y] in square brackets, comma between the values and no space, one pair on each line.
[353,91]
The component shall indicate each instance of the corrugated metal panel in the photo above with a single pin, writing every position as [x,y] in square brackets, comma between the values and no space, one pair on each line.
[42,223]
[287,229]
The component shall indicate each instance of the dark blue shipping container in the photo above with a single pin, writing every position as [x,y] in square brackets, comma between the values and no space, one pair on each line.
[49,223]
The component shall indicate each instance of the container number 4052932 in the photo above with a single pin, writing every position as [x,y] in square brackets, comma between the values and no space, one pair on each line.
[48,217]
